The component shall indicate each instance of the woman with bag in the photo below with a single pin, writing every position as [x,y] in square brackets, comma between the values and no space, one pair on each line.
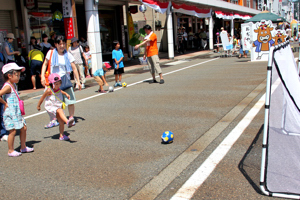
[80,59]
[61,62]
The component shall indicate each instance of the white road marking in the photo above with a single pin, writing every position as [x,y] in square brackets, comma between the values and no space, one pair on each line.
[132,84]
[176,62]
[203,172]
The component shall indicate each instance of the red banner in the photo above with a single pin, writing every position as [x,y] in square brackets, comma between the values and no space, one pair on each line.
[69,28]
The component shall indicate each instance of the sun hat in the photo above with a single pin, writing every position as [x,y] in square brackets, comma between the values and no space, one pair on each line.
[11,66]
[74,39]
[10,35]
[53,78]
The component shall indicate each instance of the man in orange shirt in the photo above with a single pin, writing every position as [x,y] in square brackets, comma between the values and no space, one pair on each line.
[151,53]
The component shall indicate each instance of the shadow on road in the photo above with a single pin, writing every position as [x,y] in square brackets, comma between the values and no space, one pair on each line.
[250,163]
[28,144]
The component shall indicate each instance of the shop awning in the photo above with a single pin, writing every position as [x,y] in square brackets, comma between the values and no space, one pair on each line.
[229,15]
[156,5]
[191,10]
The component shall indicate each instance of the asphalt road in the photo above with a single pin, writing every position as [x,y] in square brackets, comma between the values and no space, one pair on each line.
[115,150]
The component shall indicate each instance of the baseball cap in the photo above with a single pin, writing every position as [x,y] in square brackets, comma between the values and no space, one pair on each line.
[107,65]
[11,66]
[53,78]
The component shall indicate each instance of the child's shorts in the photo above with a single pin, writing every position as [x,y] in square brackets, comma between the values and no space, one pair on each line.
[98,80]
[119,71]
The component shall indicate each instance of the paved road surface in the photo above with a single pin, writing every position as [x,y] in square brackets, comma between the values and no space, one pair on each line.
[115,150]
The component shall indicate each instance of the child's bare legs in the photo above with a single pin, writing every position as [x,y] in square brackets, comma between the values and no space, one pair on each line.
[23,137]
[60,115]
[120,77]
[71,108]
[11,140]
[116,78]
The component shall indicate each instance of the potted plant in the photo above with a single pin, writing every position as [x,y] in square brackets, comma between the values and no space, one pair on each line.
[137,38]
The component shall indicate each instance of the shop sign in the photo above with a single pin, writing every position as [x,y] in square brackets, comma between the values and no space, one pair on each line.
[69,28]
[30,4]
[67,8]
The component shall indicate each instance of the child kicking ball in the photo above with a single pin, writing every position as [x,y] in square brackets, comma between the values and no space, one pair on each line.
[99,77]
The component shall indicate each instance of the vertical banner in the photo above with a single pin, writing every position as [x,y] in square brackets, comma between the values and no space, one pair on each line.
[70,22]
[246,35]
[130,25]
[69,28]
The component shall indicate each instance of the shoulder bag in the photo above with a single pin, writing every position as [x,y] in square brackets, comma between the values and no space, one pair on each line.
[47,73]
[21,103]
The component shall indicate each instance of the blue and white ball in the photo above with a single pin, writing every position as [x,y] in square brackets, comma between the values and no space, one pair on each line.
[167,137]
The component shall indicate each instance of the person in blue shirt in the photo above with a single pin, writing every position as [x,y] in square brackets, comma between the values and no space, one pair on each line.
[117,56]
[99,77]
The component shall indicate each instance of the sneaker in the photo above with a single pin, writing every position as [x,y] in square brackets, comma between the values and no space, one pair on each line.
[51,124]
[77,87]
[71,118]
[64,138]
[82,86]
[116,84]
[120,84]
[14,154]
[101,91]
[162,81]
[4,138]
[70,122]
[88,76]
[27,150]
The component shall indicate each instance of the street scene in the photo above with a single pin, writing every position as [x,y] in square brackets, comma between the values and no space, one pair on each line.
[149,99]
[115,149]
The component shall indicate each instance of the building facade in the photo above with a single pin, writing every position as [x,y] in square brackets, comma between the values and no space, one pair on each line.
[101,22]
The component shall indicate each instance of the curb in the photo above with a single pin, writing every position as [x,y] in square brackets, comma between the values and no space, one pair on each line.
[91,80]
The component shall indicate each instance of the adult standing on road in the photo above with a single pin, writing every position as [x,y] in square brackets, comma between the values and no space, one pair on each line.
[78,54]
[62,63]
[151,53]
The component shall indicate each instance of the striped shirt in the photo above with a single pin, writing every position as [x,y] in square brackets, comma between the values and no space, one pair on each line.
[76,52]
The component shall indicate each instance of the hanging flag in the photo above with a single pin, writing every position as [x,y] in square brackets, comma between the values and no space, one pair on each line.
[130,25]
[191,10]
[156,5]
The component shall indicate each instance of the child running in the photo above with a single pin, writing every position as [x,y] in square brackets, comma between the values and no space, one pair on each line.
[117,56]
[12,117]
[99,77]
[54,104]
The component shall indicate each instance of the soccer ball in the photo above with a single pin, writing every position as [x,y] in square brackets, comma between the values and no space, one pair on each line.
[111,89]
[167,137]
[124,84]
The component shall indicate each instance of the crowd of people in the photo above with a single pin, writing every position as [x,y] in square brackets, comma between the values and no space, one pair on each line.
[56,67]
[191,40]
[38,51]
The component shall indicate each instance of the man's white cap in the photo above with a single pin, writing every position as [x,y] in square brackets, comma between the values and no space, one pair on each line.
[11,66]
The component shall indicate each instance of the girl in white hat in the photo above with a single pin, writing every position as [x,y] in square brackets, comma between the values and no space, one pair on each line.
[12,116]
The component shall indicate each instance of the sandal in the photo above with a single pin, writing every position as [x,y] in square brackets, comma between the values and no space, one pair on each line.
[14,154]
[51,124]
[27,150]
[70,122]
[64,138]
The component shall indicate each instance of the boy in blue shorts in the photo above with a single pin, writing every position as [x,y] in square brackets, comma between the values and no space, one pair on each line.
[117,56]
[99,77]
